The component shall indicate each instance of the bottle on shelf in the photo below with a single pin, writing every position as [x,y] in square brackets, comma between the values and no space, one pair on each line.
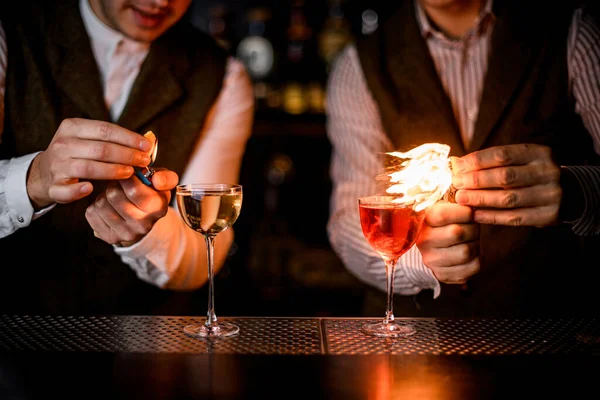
[221,25]
[369,21]
[256,51]
[304,74]
[335,33]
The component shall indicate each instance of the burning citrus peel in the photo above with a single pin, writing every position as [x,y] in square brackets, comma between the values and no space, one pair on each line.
[145,174]
[422,176]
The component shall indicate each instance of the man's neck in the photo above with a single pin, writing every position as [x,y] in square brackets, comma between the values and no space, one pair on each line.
[454,18]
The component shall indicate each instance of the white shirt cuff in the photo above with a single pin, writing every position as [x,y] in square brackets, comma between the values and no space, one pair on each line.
[17,199]
[417,273]
[147,257]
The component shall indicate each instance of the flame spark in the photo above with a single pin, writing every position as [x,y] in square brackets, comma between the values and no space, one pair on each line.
[423,177]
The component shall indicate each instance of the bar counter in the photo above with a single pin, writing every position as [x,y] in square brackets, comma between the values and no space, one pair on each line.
[149,357]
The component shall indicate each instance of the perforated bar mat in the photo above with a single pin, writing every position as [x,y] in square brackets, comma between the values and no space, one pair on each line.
[302,336]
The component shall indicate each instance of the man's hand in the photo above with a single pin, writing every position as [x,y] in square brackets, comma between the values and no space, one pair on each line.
[128,209]
[449,242]
[516,185]
[84,150]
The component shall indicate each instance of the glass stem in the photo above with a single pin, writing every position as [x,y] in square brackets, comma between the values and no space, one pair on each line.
[390,271]
[211,317]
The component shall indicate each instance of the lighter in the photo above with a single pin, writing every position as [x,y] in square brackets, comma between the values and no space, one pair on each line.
[145,173]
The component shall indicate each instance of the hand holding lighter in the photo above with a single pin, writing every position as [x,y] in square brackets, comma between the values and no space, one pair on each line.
[145,173]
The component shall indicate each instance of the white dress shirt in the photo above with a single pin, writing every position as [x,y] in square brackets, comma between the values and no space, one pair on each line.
[355,130]
[170,254]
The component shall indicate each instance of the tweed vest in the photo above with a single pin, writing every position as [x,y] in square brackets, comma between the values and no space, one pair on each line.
[52,75]
[524,270]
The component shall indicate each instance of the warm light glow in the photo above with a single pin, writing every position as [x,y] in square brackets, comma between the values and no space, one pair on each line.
[422,177]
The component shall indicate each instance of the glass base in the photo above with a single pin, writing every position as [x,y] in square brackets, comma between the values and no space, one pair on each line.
[218,329]
[393,329]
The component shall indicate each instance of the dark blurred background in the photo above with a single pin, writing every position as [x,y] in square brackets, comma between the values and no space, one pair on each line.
[282,263]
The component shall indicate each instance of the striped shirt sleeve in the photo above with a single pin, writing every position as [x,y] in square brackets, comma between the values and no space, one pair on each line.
[2,77]
[355,131]
[584,71]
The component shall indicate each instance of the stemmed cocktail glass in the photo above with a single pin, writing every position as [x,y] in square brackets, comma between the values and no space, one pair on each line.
[210,209]
[391,228]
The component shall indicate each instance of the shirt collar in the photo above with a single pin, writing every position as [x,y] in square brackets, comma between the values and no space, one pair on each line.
[485,16]
[100,34]
[103,37]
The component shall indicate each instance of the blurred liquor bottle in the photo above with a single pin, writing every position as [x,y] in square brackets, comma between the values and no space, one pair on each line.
[304,73]
[335,33]
[256,51]
[369,21]
[221,24]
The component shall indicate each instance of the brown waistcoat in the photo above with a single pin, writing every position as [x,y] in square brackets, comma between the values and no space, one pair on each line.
[524,271]
[52,75]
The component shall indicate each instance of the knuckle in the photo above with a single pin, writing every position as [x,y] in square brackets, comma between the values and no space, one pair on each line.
[510,200]
[474,162]
[477,199]
[556,194]
[128,236]
[429,260]
[60,144]
[145,227]
[67,124]
[100,151]
[89,213]
[434,217]
[457,233]
[503,156]
[112,194]
[474,179]
[100,202]
[78,169]
[132,192]
[554,174]
[508,177]
[105,130]
[515,220]
[113,238]
[464,252]
[474,266]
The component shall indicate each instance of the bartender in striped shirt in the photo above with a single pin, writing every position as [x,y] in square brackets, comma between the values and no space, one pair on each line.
[514,88]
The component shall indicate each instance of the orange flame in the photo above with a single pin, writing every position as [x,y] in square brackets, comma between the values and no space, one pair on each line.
[423,177]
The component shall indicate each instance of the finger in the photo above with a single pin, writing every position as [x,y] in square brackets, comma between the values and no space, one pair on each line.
[63,194]
[457,274]
[507,177]
[497,156]
[90,169]
[100,228]
[448,236]
[444,213]
[164,179]
[454,255]
[134,217]
[105,132]
[511,198]
[117,223]
[100,151]
[530,216]
[146,199]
